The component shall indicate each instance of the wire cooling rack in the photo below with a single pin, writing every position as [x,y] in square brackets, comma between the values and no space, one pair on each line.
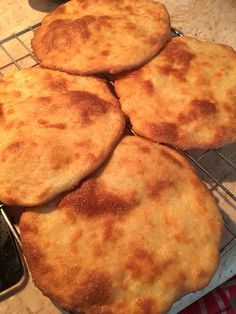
[16,53]
[217,167]
[21,60]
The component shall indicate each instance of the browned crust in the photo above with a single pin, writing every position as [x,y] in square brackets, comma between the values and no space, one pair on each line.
[185,96]
[56,20]
[56,131]
[112,250]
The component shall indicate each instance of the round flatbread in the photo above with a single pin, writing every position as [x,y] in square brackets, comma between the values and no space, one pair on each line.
[86,36]
[185,96]
[55,129]
[133,238]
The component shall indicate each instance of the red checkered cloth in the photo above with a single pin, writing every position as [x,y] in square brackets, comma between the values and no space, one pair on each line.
[222,300]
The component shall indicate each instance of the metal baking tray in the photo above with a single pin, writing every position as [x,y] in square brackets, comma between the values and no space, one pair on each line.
[12,251]
[216,167]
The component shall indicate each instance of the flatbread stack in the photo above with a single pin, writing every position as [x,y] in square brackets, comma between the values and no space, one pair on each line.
[87,37]
[124,224]
[55,129]
[186,96]
[127,240]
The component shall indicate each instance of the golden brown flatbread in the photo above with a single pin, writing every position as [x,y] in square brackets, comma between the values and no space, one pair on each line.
[133,238]
[55,129]
[185,96]
[86,36]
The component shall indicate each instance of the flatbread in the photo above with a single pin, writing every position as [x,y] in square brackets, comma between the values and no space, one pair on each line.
[86,36]
[133,238]
[55,129]
[185,96]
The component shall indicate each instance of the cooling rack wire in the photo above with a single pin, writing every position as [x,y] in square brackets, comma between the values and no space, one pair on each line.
[216,167]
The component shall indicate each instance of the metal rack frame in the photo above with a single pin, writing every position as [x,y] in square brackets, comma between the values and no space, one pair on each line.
[23,280]
[15,62]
